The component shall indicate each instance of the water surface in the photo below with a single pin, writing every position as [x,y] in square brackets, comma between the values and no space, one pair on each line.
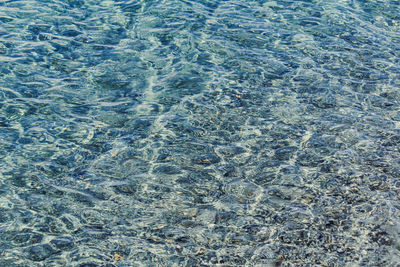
[199,133]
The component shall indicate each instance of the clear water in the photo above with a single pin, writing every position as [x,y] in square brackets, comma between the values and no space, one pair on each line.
[199,133]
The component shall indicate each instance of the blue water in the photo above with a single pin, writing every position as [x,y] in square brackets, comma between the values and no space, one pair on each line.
[199,133]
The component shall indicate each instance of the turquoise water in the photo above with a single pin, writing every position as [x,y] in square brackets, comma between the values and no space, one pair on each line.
[199,133]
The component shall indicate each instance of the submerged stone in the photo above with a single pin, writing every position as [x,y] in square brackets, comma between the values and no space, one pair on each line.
[166,169]
[40,252]
[207,159]
[63,243]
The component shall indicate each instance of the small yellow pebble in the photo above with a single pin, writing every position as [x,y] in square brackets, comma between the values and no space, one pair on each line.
[192,213]
[118,257]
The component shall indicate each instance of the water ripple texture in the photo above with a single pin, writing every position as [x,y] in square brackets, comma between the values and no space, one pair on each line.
[199,133]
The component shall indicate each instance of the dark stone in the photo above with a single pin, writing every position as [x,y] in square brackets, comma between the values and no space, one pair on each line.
[207,159]
[166,169]
[193,262]
[128,189]
[396,184]
[225,217]
[94,232]
[5,19]
[364,208]
[266,177]
[37,28]
[329,167]
[88,265]
[380,102]
[82,198]
[40,252]
[186,180]
[279,194]
[63,243]
[186,84]
[71,33]
[76,3]
[289,170]
[25,141]
[25,239]
[141,124]
[309,159]
[324,101]
[4,215]
[270,163]
[289,180]
[382,238]
[230,151]
[3,122]
[285,153]
[227,170]
[69,224]
[182,239]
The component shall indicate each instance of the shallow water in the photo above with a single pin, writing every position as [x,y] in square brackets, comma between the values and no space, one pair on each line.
[199,133]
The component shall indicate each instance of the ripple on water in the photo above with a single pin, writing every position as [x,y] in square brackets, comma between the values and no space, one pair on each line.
[199,133]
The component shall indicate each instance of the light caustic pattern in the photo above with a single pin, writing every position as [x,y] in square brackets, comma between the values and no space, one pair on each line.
[199,133]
